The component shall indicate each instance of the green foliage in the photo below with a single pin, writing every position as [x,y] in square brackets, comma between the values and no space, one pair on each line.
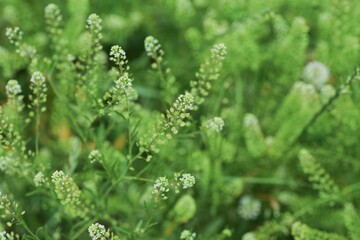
[301,231]
[184,119]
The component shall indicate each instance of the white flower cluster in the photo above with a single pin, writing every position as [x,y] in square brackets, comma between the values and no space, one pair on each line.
[171,121]
[39,89]
[98,231]
[118,56]
[250,120]
[161,188]
[8,208]
[316,73]
[53,18]
[219,51]
[8,236]
[249,208]
[122,88]
[216,124]
[163,185]
[93,24]
[187,180]
[95,156]
[176,115]
[12,88]
[187,235]
[6,162]
[26,51]
[153,48]
[123,85]
[39,179]
[14,35]
[249,236]
[66,189]
[209,71]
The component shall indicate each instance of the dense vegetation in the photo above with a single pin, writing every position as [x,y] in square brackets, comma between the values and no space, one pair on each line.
[183,119]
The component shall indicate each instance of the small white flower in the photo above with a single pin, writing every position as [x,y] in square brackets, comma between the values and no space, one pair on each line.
[53,16]
[187,235]
[219,50]
[161,187]
[216,124]
[316,73]
[39,179]
[98,231]
[124,84]
[249,208]
[14,35]
[248,236]
[117,53]
[187,180]
[95,156]
[152,47]
[250,120]
[93,23]
[37,78]
[13,88]
[184,102]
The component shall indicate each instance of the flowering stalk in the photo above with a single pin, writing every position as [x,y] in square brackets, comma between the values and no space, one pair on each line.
[167,80]
[172,120]
[37,98]
[209,72]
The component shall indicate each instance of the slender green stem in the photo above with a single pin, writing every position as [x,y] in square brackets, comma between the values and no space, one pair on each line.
[130,144]
[24,225]
[138,178]
[37,130]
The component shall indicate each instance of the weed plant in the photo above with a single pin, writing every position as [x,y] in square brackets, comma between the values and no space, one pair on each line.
[183,119]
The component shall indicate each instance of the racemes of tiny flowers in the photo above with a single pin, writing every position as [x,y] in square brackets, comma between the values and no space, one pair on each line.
[215,124]
[187,235]
[98,231]
[37,101]
[163,185]
[87,62]
[40,179]
[13,93]
[53,18]
[153,49]
[54,24]
[10,138]
[95,156]
[209,71]
[249,208]
[12,88]
[9,236]
[14,35]
[161,188]
[10,210]
[118,56]
[172,120]
[66,189]
[39,93]
[167,79]
[93,25]
[122,89]
[187,180]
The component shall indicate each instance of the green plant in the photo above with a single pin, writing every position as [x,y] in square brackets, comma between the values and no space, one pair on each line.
[219,119]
